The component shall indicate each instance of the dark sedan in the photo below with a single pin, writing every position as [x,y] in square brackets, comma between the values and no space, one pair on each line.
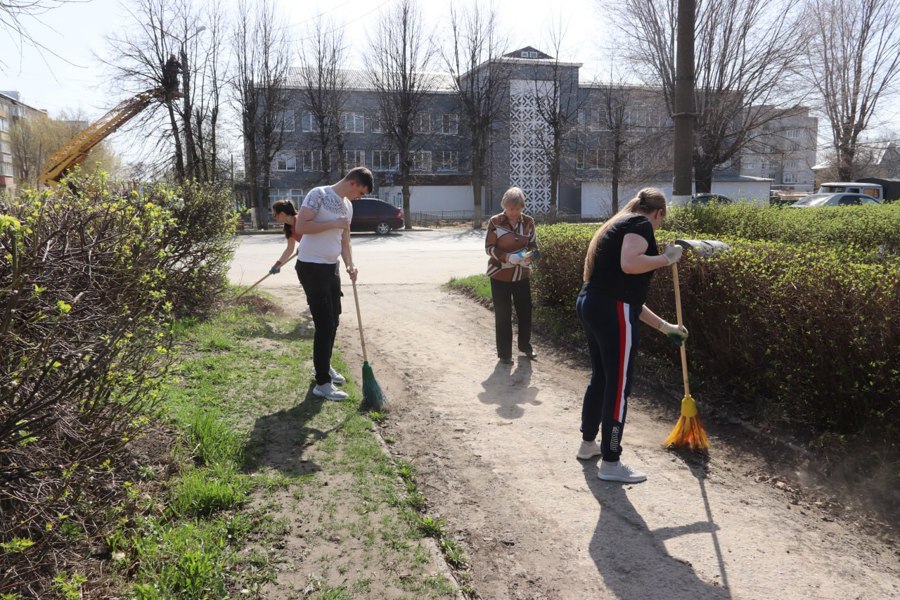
[371,214]
[707,198]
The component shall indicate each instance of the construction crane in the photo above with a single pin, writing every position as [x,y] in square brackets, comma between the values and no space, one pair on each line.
[77,149]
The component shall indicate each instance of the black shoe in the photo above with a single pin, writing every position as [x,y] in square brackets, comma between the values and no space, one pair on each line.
[530,354]
[505,360]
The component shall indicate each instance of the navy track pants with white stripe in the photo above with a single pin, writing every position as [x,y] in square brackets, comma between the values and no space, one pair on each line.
[611,327]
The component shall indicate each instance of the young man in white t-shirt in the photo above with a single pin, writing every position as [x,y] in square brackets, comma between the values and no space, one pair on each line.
[325,216]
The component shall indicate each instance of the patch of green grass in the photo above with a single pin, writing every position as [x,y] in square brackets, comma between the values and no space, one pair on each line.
[204,491]
[250,429]
[211,440]
[478,286]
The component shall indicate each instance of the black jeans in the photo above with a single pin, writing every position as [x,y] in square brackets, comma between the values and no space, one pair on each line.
[322,286]
[505,294]
[611,328]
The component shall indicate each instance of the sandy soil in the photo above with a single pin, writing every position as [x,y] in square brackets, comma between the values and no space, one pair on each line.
[494,448]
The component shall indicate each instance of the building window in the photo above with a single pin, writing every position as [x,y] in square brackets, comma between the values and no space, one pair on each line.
[422,161]
[579,159]
[4,124]
[385,160]
[284,161]
[598,120]
[424,123]
[308,123]
[355,158]
[793,133]
[376,124]
[312,160]
[294,195]
[529,54]
[634,160]
[449,123]
[792,164]
[353,122]
[447,161]
[285,120]
[790,178]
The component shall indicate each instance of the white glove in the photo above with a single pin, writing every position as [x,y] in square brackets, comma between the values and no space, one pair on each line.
[515,258]
[673,253]
[676,333]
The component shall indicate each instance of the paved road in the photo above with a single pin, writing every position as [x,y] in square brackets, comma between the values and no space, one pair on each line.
[418,256]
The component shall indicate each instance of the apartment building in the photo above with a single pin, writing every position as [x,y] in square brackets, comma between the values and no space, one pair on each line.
[784,150]
[11,109]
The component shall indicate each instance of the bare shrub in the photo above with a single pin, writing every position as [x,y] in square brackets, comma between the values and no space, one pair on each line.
[89,283]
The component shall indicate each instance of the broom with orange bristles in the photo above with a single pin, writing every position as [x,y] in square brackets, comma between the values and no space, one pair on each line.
[688,430]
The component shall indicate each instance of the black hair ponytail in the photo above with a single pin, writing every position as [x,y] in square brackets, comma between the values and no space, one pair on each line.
[286,207]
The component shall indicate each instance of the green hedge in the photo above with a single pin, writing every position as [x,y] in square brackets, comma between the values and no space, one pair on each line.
[799,332]
[868,229]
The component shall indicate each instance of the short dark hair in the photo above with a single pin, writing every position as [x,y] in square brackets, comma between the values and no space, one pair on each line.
[361,176]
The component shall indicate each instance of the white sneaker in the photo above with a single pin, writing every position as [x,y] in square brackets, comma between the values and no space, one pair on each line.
[329,392]
[588,450]
[619,471]
[336,378]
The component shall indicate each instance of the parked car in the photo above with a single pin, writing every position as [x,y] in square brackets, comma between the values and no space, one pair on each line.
[371,214]
[839,199]
[707,198]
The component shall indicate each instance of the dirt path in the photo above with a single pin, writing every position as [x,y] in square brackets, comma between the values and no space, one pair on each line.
[494,448]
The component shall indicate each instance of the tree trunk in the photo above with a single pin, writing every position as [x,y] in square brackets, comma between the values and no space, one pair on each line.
[476,195]
[179,155]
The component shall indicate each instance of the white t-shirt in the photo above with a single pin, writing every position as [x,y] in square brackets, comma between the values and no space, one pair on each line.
[324,247]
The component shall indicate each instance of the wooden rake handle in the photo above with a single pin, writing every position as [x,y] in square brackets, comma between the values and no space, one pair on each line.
[684,372]
[263,278]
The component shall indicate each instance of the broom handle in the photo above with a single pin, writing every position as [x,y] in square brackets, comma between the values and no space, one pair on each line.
[684,374]
[362,339]
[261,279]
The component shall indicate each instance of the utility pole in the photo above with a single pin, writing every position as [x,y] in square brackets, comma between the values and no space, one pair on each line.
[683,148]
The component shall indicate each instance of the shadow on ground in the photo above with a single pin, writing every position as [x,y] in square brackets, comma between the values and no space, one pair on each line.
[280,440]
[632,559]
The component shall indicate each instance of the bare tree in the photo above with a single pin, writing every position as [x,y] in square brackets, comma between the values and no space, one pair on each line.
[854,61]
[401,53]
[745,52]
[324,85]
[261,68]
[481,78]
[612,115]
[14,13]
[168,32]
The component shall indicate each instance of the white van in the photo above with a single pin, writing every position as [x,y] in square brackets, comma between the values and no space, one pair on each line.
[853,187]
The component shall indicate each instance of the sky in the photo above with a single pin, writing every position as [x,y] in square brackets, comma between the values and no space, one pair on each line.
[67,75]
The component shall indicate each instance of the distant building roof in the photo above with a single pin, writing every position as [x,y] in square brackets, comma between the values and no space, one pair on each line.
[15,98]
[361,80]
[528,52]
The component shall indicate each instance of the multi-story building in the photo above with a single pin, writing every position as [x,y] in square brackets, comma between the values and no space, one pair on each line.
[11,110]
[784,150]
[604,130]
